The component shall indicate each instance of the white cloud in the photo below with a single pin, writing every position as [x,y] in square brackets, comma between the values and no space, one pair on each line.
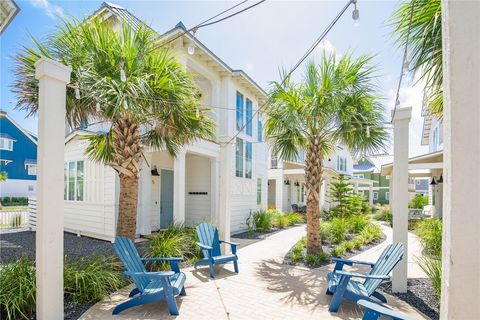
[327,47]
[51,10]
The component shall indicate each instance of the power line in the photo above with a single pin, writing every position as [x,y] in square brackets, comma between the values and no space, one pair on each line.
[404,61]
[307,53]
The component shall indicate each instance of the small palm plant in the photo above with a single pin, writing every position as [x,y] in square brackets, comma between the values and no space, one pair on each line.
[122,78]
[336,103]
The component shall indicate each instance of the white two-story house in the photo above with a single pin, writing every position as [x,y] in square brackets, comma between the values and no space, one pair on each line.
[286,179]
[220,181]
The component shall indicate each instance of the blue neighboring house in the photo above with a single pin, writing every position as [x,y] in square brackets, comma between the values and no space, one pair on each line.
[18,158]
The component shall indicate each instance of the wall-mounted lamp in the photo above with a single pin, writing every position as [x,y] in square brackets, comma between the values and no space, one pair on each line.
[155,171]
[440,180]
[296,184]
[287,182]
[434,181]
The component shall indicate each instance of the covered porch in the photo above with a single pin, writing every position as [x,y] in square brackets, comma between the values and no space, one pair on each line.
[182,189]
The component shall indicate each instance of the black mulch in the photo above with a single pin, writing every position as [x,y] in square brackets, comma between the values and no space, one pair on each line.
[420,294]
[15,245]
[327,248]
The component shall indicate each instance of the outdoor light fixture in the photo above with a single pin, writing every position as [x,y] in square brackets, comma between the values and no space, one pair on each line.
[440,180]
[355,14]
[155,171]
[296,184]
[286,182]
[434,181]
[191,47]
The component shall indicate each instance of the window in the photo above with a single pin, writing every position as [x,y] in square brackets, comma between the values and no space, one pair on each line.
[360,176]
[341,164]
[30,187]
[274,162]
[260,130]
[435,141]
[387,177]
[239,111]
[248,116]
[375,195]
[74,176]
[259,191]
[387,195]
[32,170]
[248,160]
[239,158]
[302,195]
[6,144]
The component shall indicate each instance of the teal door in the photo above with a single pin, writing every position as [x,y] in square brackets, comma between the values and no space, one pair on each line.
[166,199]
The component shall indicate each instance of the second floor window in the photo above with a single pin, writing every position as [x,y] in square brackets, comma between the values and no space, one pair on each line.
[259,191]
[273,162]
[239,158]
[6,144]
[341,164]
[248,117]
[32,170]
[260,130]
[73,181]
[239,111]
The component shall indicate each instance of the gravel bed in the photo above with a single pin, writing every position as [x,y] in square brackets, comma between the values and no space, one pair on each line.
[247,238]
[327,248]
[420,294]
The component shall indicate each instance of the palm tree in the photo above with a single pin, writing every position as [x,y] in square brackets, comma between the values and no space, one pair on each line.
[120,77]
[335,103]
[3,176]
[425,45]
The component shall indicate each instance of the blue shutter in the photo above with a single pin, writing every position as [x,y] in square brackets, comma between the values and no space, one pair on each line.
[248,115]
[248,160]
[260,130]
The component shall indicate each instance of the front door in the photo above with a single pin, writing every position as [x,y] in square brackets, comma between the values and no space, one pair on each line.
[166,199]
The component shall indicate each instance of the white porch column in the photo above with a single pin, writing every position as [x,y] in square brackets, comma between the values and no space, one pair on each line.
[399,206]
[144,199]
[53,78]
[179,188]
[370,195]
[225,187]
[279,191]
[461,219]
[214,184]
[355,187]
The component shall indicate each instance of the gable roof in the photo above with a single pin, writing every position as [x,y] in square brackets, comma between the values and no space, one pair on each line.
[363,167]
[3,114]
[180,28]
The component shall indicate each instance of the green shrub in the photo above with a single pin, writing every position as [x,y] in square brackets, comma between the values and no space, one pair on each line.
[367,209]
[92,279]
[371,233]
[356,223]
[326,232]
[261,221]
[176,241]
[17,288]
[349,245]
[323,256]
[281,221]
[418,202]
[337,251]
[294,218]
[355,204]
[339,229]
[297,251]
[316,259]
[14,201]
[384,215]
[430,233]
[16,221]
[357,243]
[433,269]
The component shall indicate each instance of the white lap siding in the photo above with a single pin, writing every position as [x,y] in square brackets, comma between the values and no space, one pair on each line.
[197,181]
[95,215]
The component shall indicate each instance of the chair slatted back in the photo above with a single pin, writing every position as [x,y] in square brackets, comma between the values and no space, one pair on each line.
[389,258]
[208,235]
[130,258]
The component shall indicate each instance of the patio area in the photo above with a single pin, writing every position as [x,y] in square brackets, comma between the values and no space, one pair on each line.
[264,288]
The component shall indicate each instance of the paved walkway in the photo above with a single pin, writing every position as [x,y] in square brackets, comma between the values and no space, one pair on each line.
[264,289]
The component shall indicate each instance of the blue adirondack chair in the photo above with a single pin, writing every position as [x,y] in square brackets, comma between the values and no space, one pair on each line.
[342,286]
[374,311]
[150,286]
[210,245]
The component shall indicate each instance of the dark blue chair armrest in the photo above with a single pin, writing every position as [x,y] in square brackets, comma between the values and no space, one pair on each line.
[374,310]
[341,262]
[203,246]
[361,275]
[150,275]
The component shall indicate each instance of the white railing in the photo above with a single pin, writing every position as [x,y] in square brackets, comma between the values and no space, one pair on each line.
[13,219]
[32,213]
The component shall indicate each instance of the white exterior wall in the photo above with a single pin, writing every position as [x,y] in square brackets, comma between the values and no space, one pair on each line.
[435,138]
[198,207]
[95,216]
[18,188]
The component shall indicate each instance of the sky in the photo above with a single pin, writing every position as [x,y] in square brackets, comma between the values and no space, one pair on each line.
[260,41]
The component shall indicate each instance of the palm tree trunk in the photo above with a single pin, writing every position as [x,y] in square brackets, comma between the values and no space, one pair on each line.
[128,155]
[313,178]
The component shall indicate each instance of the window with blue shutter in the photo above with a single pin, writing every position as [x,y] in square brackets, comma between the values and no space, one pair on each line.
[239,111]
[260,130]
[239,158]
[248,160]
[248,115]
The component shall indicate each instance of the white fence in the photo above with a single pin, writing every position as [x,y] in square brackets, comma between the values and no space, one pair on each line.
[13,219]
[32,213]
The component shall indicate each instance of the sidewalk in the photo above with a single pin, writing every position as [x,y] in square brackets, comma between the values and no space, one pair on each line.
[264,289]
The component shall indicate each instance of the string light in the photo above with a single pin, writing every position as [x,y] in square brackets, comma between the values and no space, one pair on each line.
[355,14]
[77,93]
